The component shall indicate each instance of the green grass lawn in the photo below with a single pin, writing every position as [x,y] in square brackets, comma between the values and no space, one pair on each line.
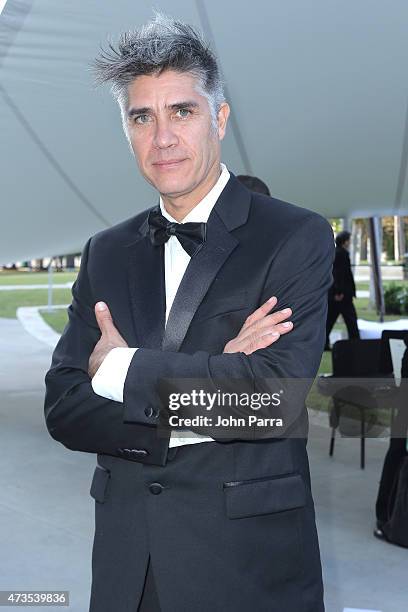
[365,285]
[40,278]
[11,300]
[35,278]
[56,319]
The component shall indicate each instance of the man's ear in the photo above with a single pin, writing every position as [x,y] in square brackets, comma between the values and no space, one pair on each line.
[222,119]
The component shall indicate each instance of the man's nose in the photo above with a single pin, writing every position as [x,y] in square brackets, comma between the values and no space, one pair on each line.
[164,134]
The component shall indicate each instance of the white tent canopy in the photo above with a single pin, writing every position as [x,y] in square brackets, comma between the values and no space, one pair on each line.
[318,93]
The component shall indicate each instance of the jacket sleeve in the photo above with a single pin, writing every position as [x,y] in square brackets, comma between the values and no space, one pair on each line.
[303,267]
[75,415]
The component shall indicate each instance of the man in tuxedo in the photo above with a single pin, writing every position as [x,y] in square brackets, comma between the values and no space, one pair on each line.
[343,290]
[192,518]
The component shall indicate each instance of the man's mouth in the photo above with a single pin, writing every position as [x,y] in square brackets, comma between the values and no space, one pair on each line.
[168,163]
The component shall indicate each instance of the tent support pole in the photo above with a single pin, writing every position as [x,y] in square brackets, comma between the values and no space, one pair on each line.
[375,268]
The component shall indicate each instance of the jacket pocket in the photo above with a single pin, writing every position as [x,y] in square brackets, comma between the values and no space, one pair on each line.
[99,484]
[245,498]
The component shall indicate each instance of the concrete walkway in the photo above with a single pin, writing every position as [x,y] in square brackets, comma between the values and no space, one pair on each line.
[46,512]
[362,273]
[35,324]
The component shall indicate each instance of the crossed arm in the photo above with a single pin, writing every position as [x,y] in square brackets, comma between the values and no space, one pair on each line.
[84,421]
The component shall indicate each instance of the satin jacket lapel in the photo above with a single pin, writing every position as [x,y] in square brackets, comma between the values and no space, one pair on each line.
[230,211]
[147,289]
[197,278]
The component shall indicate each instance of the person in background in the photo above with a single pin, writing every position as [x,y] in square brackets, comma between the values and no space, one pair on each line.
[343,290]
[253,183]
[396,453]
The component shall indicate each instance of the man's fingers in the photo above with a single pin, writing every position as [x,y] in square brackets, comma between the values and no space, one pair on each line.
[260,312]
[104,318]
[281,328]
[260,342]
[265,338]
[267,323]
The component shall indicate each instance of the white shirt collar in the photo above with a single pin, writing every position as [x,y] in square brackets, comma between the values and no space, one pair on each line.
[202,210]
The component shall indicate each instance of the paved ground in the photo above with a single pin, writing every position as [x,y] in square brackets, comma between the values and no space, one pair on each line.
[46,513]
[362,273]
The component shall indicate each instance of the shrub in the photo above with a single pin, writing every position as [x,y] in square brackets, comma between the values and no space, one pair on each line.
[396,299]
[405,302]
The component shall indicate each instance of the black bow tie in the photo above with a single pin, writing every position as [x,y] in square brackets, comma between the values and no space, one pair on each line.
[190,235]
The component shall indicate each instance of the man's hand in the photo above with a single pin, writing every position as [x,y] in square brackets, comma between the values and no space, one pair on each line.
[110,338]
[260,329]
[338,297]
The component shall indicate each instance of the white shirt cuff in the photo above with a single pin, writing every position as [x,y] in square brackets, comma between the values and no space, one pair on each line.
[109,380]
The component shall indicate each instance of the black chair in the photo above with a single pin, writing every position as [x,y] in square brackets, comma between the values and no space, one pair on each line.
[353,389]
[356,358]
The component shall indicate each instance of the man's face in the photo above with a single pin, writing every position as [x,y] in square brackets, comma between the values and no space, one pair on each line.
[171,133]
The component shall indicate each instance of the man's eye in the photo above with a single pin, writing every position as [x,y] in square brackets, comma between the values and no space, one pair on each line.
[183,113]
[142,119]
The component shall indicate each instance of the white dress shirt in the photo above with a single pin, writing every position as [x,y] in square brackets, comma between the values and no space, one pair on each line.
[110,377]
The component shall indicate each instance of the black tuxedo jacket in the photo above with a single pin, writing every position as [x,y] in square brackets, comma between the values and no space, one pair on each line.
[256,247]
[343,281]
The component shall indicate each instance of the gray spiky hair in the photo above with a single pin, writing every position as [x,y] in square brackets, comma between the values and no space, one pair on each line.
[162,44]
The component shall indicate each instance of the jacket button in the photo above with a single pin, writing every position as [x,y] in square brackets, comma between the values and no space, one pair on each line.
[156,488]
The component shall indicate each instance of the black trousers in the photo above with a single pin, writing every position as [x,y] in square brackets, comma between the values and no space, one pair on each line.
[347,310]
[395,454]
